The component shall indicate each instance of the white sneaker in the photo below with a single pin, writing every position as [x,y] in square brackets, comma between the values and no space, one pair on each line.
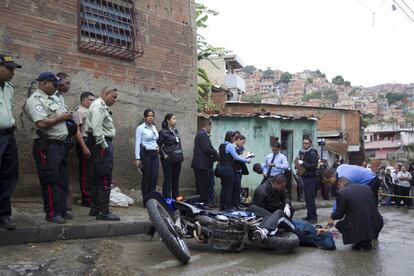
[260,234]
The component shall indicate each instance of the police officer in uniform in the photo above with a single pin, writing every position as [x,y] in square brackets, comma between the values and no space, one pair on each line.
[82,150]
[63,88]
[49,148]
[9,167]
[101,131]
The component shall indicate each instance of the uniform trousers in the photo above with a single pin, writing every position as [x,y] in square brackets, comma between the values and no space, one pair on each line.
[85,176]
[9,171]
[103,160]
[52,167]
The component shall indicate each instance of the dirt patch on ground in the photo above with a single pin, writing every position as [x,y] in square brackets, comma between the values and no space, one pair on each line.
[104,258]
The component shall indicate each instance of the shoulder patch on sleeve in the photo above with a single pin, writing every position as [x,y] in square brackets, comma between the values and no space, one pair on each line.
[39,108]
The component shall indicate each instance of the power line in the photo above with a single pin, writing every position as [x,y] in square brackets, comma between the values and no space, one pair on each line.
[408,6]
[398,5]
[386,24]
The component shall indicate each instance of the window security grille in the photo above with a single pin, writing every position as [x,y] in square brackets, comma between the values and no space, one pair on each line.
[108,27]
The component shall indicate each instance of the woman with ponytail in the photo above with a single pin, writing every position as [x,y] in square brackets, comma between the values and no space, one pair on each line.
[171,153]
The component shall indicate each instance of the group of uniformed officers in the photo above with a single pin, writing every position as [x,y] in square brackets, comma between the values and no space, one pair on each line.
[54,131]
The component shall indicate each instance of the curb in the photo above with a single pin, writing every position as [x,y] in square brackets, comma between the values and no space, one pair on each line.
[42,233]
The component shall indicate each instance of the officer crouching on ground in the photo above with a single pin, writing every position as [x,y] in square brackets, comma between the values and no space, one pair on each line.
[9,166]
[49,148]
[101,131]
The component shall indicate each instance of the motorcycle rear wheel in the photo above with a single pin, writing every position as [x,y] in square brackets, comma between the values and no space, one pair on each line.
[164,225]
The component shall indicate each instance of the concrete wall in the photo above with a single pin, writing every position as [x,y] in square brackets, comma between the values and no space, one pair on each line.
[43,36]
[216,70]
[258,132]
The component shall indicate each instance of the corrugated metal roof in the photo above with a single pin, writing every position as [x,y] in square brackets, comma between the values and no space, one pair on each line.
[259,115]
[301,106]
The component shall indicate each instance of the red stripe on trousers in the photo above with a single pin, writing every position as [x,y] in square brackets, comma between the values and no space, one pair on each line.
[105,182]
[52,211]
[42,157]
[84,180]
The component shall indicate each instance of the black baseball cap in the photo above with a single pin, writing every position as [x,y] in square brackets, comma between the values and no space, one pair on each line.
[49,76]
[8,62]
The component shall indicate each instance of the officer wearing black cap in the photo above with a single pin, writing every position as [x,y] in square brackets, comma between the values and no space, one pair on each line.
[49,150]
[9,167]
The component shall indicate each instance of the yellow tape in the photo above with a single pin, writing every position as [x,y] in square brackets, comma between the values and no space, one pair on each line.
[396,195]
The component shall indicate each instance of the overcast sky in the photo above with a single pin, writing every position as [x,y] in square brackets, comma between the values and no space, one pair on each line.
[338,37]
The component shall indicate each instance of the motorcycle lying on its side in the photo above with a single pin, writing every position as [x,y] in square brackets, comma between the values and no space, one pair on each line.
[223,231]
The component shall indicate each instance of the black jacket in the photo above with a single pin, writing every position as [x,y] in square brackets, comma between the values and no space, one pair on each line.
[204,154]
[362,220]
[167,141]
[270,199]
[310,163]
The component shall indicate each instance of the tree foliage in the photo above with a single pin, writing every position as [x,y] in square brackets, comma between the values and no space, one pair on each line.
[256,98]
[395,97]
[409,118]
[320,74]
[249,69]
[313,95]
[339,80]
[309,80]
[322,93]
[391,120]
[286,77]
[368,119]
[268,74]
[204,51]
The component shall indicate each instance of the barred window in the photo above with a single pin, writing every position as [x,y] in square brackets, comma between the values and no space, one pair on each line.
[108,27]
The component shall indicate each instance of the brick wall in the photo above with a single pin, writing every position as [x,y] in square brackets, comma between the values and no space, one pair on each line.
[43,35]
[219,98]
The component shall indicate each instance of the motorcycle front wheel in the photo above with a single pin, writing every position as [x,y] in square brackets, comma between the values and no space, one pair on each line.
[282,241]
[164,224]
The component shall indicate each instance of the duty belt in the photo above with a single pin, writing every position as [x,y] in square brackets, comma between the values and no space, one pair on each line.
[53,141]
[7,131]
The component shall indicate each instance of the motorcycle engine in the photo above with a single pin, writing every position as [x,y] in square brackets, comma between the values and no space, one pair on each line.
[221,222]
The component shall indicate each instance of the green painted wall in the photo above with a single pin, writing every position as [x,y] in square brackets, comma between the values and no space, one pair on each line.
[258,132]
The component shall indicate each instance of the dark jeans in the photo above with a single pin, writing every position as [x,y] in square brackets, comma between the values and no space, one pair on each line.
[271,220]
[9,171]
[375,184]
[227,184]
[211,193]
[236,189]
[150,170]
[202,184]
[309,186]
[103,161]
[85,176]
[402,191]
[52,167]
[171,177]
